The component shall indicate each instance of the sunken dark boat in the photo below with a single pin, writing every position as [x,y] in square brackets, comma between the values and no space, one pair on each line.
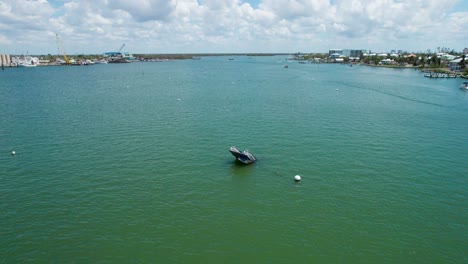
[243,156]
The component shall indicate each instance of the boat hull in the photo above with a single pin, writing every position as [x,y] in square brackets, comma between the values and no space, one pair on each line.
[242,156]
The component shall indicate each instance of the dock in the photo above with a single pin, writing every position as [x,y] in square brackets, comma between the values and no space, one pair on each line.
[440,75]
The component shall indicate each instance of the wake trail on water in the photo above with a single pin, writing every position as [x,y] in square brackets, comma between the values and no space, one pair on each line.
[394,95]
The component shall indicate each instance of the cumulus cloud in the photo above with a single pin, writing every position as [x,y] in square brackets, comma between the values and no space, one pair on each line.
[145,10]
[24,14]
[292,9]
[232,25]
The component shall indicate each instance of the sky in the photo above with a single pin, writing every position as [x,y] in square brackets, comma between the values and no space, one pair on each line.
[231,26]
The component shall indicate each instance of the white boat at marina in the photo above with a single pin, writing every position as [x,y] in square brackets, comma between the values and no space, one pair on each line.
[119,57]
[100,62]
[128,57]
[439,75]
[25,65]
[25,61]
[85,62]
[464,86]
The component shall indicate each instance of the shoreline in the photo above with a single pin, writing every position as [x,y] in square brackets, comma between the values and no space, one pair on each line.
[425,69]
[197,56]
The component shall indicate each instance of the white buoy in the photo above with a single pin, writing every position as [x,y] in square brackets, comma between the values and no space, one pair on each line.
[13,153]
[297,178]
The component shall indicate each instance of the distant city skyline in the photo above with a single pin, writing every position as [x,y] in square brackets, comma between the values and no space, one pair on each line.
[231,26]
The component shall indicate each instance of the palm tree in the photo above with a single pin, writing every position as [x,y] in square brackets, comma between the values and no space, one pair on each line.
[433,61]
[423,62]
[462,62]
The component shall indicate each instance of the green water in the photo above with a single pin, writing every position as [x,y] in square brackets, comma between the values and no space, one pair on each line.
[129,163]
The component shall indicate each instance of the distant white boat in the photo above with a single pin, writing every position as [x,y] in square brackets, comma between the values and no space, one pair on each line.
[119,57]
[464,86]
[128,57]
[26,65]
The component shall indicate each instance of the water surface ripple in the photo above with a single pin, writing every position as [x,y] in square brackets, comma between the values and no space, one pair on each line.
[130,163]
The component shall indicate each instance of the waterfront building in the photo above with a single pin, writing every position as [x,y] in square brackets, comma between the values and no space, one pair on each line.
[387,62]
[353,53]
[335,52]
[448,57]
[5,60]
[454,65]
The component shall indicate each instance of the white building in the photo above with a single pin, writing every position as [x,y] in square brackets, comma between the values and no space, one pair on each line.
[387,62]
[335,53]
[340,53]
[5,60]
[454,65]
[448,57]
[355,53]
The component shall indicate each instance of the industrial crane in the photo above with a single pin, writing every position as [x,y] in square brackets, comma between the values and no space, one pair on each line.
[121,48]
[61,49]
[120,51]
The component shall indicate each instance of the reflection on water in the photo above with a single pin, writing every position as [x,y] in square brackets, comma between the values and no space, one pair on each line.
[239,169]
